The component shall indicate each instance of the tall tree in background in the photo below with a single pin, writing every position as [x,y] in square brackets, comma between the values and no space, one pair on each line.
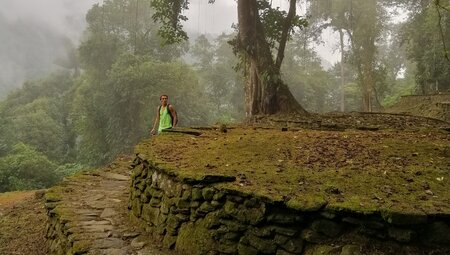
[222,85]
[302,69]
[362,22]
[427,36]
[262,30]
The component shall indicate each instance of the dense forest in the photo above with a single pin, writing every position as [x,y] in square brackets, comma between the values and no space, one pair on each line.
[104,97]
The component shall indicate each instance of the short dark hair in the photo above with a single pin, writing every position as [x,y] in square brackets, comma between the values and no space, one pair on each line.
[163,96]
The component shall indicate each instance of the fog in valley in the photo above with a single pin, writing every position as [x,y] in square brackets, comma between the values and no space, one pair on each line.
[35,35]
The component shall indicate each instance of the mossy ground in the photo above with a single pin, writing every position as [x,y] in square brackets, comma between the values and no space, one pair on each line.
[365,171]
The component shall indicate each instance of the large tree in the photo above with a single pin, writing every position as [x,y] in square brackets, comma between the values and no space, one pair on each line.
[362,22]
[261,40]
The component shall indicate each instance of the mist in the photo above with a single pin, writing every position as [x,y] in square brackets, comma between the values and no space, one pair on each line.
[34,35]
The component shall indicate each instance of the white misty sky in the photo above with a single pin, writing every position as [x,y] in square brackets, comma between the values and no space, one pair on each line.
[68,17]
[65,16]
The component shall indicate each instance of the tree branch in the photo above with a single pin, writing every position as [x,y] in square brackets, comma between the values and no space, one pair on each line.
[285,33]
[440,28]
[438,3]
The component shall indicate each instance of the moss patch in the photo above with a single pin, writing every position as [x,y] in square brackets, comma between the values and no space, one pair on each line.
[347,170]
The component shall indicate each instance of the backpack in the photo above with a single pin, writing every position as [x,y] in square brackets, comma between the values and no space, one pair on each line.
[170,113]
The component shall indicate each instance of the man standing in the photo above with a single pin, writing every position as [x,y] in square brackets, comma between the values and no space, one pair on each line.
[166,116]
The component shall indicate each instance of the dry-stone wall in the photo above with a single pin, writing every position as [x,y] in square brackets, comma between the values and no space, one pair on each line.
[195,217]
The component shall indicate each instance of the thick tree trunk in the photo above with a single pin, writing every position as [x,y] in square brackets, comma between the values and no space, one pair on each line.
[341,37]
[265,92]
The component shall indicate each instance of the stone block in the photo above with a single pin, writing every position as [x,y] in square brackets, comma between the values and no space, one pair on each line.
[264,231]
[285,230]
[144,172]
[186,195]
[169,241]
[232,225]
[195,204]
[162,218]
[182,217]
[205,208]
[141,186]
[136,207]
[193,238]
[284,218]
[246,250]
[436,233]
[230,207]
[227,248]
[208,193]
[401,235]
[313,237]
[280,239]
[150,214]
[211,221]
[252,202]
[235,199]
[283,252]
[172,225]
[351,249]
[250,216]
[159,230]
[266,246]
[156,193]
[294,245]
[197,194]
[328,215]
[231,236]
[402,218]
[216,204]
[165,206]
[373,232]
[182,204]
[137,171]
[326,227]
[322,250]
[218,196]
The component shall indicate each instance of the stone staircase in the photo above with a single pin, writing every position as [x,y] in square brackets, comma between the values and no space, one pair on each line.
[88,215]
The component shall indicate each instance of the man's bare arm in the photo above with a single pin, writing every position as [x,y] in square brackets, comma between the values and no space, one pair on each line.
[156,121]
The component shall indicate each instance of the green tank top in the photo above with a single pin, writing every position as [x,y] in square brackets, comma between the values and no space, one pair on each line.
[165,121]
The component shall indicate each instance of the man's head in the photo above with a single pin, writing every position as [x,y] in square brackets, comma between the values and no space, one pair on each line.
[163,99]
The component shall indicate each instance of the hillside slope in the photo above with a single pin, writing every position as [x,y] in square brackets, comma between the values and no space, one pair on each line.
[431,106]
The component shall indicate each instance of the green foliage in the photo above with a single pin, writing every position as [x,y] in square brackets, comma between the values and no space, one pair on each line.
[112,115]
[69,169]
[119,26]
[425,46]
[273,20]
[310,84]
[26,168]
[222,85]
[36,126]
[169,14]
[36,115]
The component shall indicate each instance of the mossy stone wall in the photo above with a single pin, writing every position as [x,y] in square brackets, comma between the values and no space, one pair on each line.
[195,217]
